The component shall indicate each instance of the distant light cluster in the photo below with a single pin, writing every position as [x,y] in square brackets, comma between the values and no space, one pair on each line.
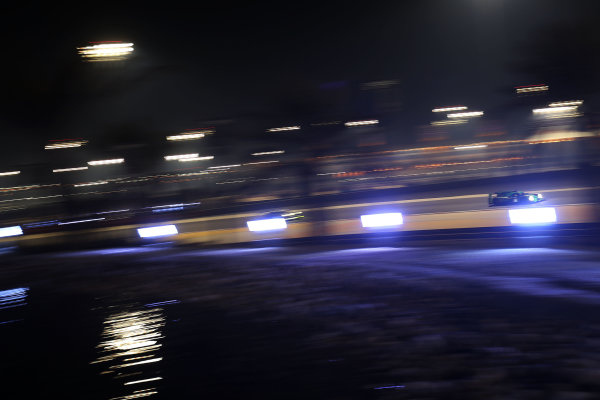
[106,51]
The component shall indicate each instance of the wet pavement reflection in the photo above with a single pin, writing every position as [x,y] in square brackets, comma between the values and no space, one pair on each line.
[372,323]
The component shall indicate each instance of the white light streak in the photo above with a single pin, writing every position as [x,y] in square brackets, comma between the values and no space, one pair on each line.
[532,215]
[81,221]
[263,225]
[472,146]
[566,103]
[446,109]
[113,211]
[107,162]
[186,136]
[65,144]
[143,380]
[266,153]
[10,173]
[69,169]
[181,156]
[225,166]
[381,220]
[527,89]
[261,162]
[11,231]
[554,110]
[466,114]
[157,231]
[203,158]
[106,51]
[361,123]
[449,122]
[91,183]
[284,128]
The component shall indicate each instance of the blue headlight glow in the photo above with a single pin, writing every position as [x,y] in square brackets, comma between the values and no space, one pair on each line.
[381,220]
[532,215]
[11,231]
[270,224]
[157,231]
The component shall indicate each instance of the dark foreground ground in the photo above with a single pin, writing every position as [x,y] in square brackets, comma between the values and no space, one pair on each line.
[303,322]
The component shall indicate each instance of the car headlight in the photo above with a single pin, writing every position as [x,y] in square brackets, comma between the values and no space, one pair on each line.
[531,198]
[540,196]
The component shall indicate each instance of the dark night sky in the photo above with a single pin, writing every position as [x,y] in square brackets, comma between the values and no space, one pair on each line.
[218,60]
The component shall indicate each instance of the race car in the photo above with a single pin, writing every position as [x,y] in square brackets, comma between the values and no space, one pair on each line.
[513,197]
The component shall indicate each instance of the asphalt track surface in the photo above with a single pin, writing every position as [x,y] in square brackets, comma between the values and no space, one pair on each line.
[460,321]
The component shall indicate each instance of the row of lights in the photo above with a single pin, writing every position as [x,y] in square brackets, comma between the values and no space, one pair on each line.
[541,215]
[177,157]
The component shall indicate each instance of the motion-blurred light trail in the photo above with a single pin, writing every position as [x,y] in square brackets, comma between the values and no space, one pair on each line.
[8,173]
[107,162]
[106,51]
